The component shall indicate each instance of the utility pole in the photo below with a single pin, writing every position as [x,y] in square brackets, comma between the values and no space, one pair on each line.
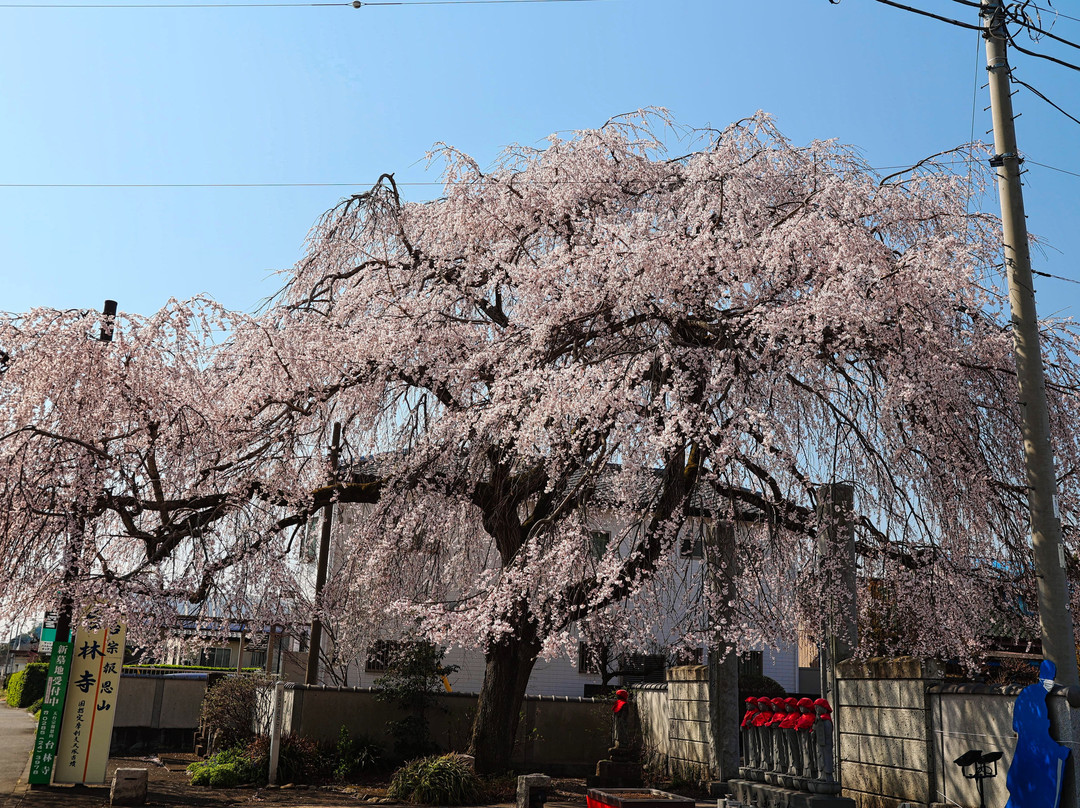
[1055,619]
[71,571]
[315,640]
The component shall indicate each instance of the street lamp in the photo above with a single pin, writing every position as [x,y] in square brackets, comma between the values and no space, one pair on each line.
[981,765]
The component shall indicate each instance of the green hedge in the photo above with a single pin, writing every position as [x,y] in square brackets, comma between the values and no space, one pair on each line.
[181,668]
[28,685]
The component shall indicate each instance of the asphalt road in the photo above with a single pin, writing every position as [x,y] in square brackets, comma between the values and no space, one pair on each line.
[16,740]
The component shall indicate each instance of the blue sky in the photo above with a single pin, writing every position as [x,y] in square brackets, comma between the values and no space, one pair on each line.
[340,95]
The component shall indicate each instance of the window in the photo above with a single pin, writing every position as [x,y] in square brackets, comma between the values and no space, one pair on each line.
[691,547]
[591,657]
[688,656]
[378,655]
[214,658]
[257,659]
[751,663]
[600,540]
[309,539]
[643,668]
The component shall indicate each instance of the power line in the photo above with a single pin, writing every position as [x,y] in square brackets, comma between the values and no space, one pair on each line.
[928,14]
[1052,168]
[1023,23]
[1030,26]
[1055,60]
[1055,12]
[1055,277]
[353,4]
[167,5]
[416,183]
[1044,98]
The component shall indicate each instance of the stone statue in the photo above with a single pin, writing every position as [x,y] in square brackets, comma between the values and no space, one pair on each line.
[804,726]
[764,739]
[779,746]
[824,783]
[620,724]
[791,742]
[749,736]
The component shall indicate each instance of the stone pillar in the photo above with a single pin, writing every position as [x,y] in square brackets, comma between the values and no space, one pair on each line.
[128,787]
[533,790]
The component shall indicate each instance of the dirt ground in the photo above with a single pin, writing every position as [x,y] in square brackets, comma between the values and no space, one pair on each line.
[169,785]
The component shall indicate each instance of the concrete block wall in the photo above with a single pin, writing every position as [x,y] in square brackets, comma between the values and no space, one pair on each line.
[689,748]
[885,734]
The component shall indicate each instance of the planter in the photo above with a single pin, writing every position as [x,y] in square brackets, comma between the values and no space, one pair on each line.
[635,798]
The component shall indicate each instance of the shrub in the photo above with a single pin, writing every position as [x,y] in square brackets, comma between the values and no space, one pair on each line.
[229,710]
[414,675]
[28,685]
[35,708]
[435,780]
[758,686]
[299,759]
[226,769]
[351,756]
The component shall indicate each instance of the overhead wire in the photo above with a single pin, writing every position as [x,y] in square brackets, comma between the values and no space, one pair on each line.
[1023,83]
[1029,161]
[1036,54]
[353,4]
[914,10]
[403,183]
[1030,26]
[1054,11]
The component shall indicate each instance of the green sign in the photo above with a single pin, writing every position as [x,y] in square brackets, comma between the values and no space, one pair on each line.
[52,711]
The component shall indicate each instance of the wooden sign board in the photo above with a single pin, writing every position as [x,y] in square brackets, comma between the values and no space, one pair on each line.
[86,733]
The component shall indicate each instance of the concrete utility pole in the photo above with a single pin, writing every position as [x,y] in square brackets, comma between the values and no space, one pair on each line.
[315,640]
[1055,618]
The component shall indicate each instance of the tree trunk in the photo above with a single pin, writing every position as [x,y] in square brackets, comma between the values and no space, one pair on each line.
[509,665]
[724,716]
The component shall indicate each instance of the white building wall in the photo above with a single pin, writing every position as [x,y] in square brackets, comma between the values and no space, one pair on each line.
[554,677]
[781,664]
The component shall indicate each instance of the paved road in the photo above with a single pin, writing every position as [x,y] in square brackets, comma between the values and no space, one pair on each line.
[16,740]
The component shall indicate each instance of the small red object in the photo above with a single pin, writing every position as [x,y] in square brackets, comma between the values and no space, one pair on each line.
[622,698]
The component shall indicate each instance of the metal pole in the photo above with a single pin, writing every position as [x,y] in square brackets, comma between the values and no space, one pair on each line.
[315,644]
[1055,619]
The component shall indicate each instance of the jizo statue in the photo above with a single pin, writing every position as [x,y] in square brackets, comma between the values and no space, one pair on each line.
[749,734]
[824,783]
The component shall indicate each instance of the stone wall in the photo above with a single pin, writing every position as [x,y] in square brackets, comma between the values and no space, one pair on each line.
[651,701]
[901,727]
[885,736]
[674,720]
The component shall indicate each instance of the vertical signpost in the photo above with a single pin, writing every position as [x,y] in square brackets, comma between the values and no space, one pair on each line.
[97,658]
[52,710]
[48,633]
